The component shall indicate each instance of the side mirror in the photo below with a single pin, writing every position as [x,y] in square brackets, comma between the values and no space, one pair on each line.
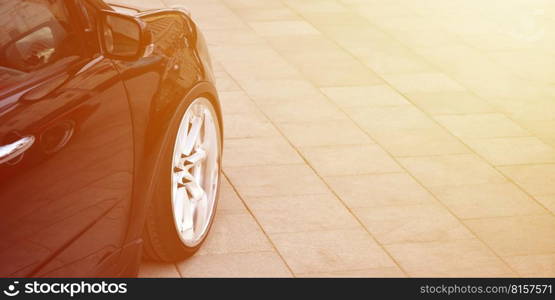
[123,37]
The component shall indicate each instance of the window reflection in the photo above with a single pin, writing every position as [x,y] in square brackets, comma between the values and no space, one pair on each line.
[33,34]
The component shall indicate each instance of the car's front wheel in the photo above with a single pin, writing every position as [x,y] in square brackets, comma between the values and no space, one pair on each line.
[183,208]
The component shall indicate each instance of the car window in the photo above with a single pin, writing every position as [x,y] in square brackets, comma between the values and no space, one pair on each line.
[34,34]
[89,14]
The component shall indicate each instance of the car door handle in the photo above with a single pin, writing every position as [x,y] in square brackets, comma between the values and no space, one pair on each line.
[15,149]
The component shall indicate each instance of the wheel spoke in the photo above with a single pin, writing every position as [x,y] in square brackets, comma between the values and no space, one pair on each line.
[214,179]
[193,135]
[188,225]
[195,191]
[187,177]
[178,202]
[195,159]
[201,210]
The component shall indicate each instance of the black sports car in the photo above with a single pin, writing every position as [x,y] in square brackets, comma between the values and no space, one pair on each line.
[110,138]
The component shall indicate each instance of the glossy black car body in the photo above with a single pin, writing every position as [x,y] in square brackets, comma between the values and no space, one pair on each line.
[74,203]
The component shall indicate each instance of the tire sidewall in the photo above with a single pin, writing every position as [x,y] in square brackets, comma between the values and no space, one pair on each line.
[170,246]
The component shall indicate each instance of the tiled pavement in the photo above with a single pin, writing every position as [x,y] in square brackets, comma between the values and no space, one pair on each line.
[381,138]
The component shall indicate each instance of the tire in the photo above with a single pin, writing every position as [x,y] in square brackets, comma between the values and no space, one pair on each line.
[175,229]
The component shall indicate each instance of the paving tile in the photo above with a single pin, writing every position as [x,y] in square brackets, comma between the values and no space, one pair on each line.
[315,5]
[389,9]
[229,202]
[329,251]
[217,17]
[260,264]
[343,17]
[475,24]
[487,200]
[412,23]
[540,128]
[450,103]
[482,126]
[289,27]
[412,223]
[533,65]
[281,91]
[265,181]
[266,14]
[158,270]
[538,180]
[513,151]
[533,265]
[345,72]
[247,4]
[424,38]
[528,108]
[488,42]
[218,68]
[343,28]
[381,190]
[259,151]
[473,69]
[419,142]
[314,48]
[313,111]
[232,233]
[423,83]
[301,213]
[461,258]
[451,170]
[512,236]
[247,62]
[349,160]
[356,96]
[385,62]
[356,35]
[549,141]
[231,36]
[380,119]
[391,272]
[236,102]
[224,83]
[248,125]
[324,133]
[547,201]
[323,62]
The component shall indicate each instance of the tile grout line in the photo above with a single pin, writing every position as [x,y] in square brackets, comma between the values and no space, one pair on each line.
[508,116]
[259,225]
[386,82]
[295,148]
[356,124]
[431,116]
[233,187]
[178,271]
[460,139]
[429,191]
[312,168]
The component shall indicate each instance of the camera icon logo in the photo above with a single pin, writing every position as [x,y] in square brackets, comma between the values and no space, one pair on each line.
[11,291]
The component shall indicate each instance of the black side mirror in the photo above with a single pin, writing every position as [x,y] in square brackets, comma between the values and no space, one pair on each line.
[123,37]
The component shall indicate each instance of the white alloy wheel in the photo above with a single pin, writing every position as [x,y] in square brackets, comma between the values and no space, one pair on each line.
[195,172]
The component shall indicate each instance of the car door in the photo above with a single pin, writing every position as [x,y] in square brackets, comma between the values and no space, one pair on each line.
[66,144]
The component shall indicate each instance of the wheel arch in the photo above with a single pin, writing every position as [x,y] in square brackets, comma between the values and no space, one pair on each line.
[145,175]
